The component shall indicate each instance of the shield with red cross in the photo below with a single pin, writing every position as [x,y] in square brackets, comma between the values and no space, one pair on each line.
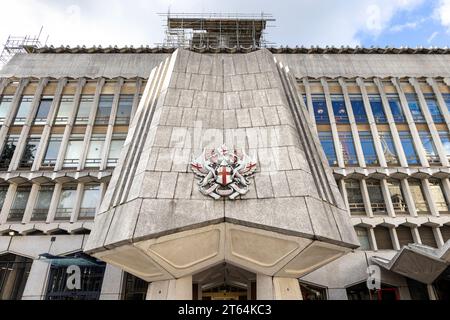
[224,175]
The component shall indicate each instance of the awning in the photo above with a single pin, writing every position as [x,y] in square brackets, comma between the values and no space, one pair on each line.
[418,262]
[79,259]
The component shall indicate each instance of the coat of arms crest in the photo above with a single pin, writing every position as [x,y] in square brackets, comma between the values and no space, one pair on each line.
[223,173]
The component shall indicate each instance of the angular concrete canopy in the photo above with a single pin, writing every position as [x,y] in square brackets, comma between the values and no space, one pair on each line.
[155,223]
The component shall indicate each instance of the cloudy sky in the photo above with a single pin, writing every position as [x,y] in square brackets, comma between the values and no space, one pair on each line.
[299,22]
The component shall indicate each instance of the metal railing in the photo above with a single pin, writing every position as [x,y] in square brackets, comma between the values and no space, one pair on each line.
[39,214]
[63,213]
[16,214]
[87,213]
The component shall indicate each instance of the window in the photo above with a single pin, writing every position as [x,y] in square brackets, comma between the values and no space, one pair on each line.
[74,149]
[124,109]
[397,196]
[446,97]
[24,110]
[434,108]
[42,205]
[389,151]
[8,152]
[134,288]
[115,148]
[104,109]
[404,235]
[3,192]
[29,153]
[340,112]
[95,152]
[348,148]
[311,292]
[5,106]
[415,108]
[408,148]
[445,231]
[358,109]
[427,236]
[376,197]
[370,155]
[377,109]
[355,199]
[428,145]
[383,238]
[90,201]
[51,155]
[14,272]
[417,193]
[92,273]
[396,109]
[43,110]
[20,203]
[320,109]
[84,110]
[66,202]
[363,237]
[65,110]
[445,139]
[326,140]
[438,195]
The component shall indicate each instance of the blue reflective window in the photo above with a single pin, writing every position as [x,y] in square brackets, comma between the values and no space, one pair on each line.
[415,108]
[339,109]
[428,145]
[358,110]
[326,139]
[389,151]
[377,109]
[348,148]
[445,140]
[446,97]
[408,147]
[396,109]
[320,110]
[370,155]
[434,108]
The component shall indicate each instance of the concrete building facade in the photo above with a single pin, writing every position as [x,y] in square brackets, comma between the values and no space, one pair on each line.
[351,148]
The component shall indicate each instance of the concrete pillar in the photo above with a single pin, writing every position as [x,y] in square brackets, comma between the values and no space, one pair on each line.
[372,123]
[431,292]
[54,202]
[438,236]
[45,136]
[391,122]
[416,235]
[394,237]
[136,98]
[286,289]
[353,126]
[366,198]
[264,287]
[411,124]
[309,102]
[429,197]
[4,82]
[112,283]
[430,122]
[77,204]
[337,294]
[178,289]
[69,125]
[334,131]
[31,203]
[341,185]
[36,285]
[9,198]
[446,189]
[387,198]
[408,197]
[372,239]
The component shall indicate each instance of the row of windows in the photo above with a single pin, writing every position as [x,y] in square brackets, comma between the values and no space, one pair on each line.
[90,199]
[340,111]
[383,240]
[66,107]
[348,149]
[377,202]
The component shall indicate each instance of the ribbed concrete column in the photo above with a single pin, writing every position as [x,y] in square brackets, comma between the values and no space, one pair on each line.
[372,123]
[429,197]
[440,101]
[416,235]
[372,239]
[438,236]
[264,287]
[31,203]
[334,131]
[91,123]
[309,102]
[286,289]
[45,136]
[366,198]
[411,123]
[179,289]
[394,237]
[136,98]
[341,185]
[391,122]
[21,144]
[70,124]
[77,204]
[387,198]
[353,126]
[430,122]
[54,202]
[112,120]
[4,129]
[9,198]
[408,197]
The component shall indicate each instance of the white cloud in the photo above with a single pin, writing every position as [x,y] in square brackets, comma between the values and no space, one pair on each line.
[443,13]
[134,22]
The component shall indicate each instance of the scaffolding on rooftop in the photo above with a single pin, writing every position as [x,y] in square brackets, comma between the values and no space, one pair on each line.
[15,45]
[219,30]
